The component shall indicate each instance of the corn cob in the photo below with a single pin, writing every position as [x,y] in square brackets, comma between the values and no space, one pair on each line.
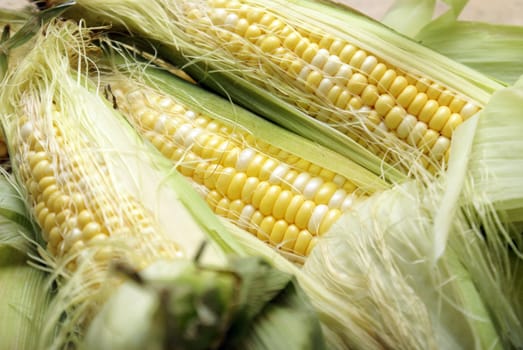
[279,197]
[394,97]
[354,89]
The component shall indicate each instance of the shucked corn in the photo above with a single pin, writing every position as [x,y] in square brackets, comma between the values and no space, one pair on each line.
[354,89]
[277,196]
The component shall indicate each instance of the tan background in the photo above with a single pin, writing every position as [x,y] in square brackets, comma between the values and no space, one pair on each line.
[498,11]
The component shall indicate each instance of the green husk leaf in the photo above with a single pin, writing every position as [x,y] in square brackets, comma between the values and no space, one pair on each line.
[495,50]
[246,304]
[410,16]
[24,289]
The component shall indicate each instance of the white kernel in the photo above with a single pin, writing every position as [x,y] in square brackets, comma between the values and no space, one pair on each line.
[332,66]
[312,187]
[218,16]
[343,74]
[191,136]
[320,58]
[278,174]
[325,85]
[417,133]
[337,198]
[245,216]
[368,64]
[26,130]
[304,73]
[181,134]
[468,110]
[164,102]
[159,126]
[347,203]
[317,216]
[300,182]
[406,126]
[231,20]
[244,159]
[189,115]
[440,147]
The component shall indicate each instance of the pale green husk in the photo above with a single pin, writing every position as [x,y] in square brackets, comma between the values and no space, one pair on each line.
[25,291]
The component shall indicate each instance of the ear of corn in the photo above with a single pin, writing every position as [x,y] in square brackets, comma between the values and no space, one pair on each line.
[354,80]
[98,193]
[280,187]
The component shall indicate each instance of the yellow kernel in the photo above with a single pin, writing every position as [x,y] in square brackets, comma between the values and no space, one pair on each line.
[384,104]
[224,180]
[456,104]
[49,192]
[369,95]
[36,157]
[252,33]
[234,191]
[440,118]
[394,117]
[398,85]
[259,193]
[417,103]
[256,220]
[282,203]
[428,140]
[334,93]
[294,206]
[377,73]
[292,40]
[60,203]
[278,231]
[386,80]
[428,111]
[445,98]
[358,58]
[328,220]
[42,169]
[310,52]
[336,46]
[84,217]
[270,43]
[355,104]
[254,167]
[235,209]
[212,199]
[211,174]
[422,84]
[302,242]
[347,52]
[42,214]
[357,83]
[241,27]
[453,122]
[49,222]
[313,80]
[248,190]
[407,96]
[269,199]
[290,236]
[343,99]
[222,207]
[434,91]
[311,245]
[304,214]
[266,227]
